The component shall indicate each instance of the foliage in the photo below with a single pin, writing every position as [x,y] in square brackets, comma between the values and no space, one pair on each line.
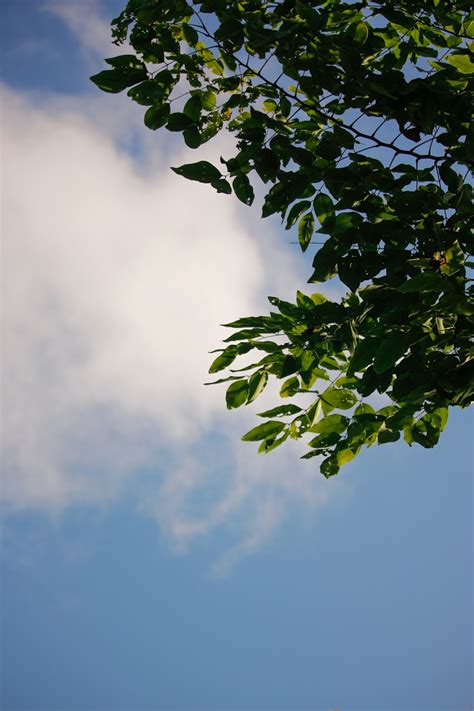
[357,118]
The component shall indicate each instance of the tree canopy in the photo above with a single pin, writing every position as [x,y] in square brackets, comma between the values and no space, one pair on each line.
[356,116]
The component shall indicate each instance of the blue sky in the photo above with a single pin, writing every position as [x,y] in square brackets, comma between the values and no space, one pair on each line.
[151,561]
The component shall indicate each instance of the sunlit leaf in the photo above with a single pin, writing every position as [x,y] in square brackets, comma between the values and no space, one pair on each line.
[305,230]
[237,394]
[267,429]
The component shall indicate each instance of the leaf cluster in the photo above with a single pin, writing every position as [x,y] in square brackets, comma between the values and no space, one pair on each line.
[356,116]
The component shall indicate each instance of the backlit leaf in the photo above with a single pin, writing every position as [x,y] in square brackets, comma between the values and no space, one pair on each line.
[236,394]
[267,429]
[324,208]
[305,230]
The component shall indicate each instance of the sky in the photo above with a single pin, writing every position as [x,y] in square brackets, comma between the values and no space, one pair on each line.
[150,560]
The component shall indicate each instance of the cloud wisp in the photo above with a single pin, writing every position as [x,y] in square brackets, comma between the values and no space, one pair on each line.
[85,22]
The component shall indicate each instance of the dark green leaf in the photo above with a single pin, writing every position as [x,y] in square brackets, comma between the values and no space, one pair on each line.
[179,122]
[327,439]
[243,189]
[329,467]
[192,137]
[391,349]
[157,116]
[385,436]
[281,411]
[116,80]
[221,185]
[202,171]
[192,108]
[427,281]
[363,355]
[190,34]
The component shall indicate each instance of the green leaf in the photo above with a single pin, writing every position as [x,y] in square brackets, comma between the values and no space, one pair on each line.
[236,394]
[427,429]
[192,137]
[389,351]
[224,360]
[345,456]
[427,281]
[257,382]
[313,413]
[364,409]
[126,62]
[208,99]
[351,269]
[339,397]
[295,212]
[454,259]
[147,93]
[221,185]
[449,176]
[157,116]
[243,189]
[305,230]
[209,59]
[114,81]
[329,147]
[192,108]
[344,138]
[324,264]
[270,444]
[324,209]
[385,436]
[363,355]
[189,34]
[462,62]
[290,387]
[361,33]
[270,105]
[329,467]
[345,221]
[325,440]
[179,122]
[164,80]
[202,171]
[281,411]
[267,429]
[402,418]
[223,380]
[331,423]
[304,301]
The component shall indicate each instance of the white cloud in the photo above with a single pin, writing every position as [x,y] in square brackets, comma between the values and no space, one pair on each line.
[116,276]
